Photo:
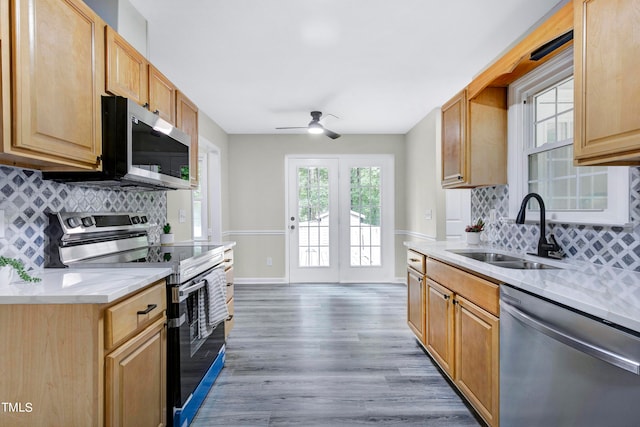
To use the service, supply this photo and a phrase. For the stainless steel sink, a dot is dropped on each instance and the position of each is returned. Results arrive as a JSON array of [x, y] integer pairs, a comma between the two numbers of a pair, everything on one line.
[[505, 261]]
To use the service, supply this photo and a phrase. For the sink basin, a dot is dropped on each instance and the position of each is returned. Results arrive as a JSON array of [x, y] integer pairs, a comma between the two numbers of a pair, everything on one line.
[[504, 261], [487, 256]]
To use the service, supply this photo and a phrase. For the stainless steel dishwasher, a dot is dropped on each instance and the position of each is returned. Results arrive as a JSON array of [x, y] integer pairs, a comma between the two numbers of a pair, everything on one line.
[[560, 367]]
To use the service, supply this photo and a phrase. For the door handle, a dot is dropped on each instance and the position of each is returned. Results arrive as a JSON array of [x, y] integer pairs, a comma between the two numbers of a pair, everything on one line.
[[578, 344]]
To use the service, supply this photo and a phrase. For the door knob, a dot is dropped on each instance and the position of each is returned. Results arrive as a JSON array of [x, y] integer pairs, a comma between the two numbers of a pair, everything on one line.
[[293, 227]]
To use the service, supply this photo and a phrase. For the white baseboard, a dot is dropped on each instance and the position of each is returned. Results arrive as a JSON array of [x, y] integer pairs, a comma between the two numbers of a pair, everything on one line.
[[260, 280]]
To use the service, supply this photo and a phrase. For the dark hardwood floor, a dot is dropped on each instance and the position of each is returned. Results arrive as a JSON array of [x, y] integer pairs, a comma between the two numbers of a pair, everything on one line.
[[327, 355]]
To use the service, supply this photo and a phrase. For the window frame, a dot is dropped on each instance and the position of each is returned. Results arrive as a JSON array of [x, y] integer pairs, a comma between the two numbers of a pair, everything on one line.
[[519, 134]]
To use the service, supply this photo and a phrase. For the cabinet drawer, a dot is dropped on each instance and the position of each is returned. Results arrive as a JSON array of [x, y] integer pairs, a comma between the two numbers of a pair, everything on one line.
[[229, 273], [230, 321], [228, 257], [417, 261], [136, 312], [477, 290], [230, 287]]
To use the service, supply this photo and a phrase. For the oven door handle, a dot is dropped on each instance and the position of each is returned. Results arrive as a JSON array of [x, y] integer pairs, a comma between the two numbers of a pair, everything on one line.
[[183, 293]]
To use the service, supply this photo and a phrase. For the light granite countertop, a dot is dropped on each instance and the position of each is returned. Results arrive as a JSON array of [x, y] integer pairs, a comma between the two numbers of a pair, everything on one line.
[[80, 286], [608, 293]]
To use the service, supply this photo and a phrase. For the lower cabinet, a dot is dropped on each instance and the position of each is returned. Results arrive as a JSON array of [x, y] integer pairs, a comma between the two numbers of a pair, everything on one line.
[[228, 270], [462, 333], [89, 365], [135, 380], [416, 303], [440, 321], [477, 358]]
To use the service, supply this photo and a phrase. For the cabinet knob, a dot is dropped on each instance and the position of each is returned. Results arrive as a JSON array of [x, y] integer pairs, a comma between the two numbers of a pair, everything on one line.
[[446, 297], [459, 177], [145, 105]]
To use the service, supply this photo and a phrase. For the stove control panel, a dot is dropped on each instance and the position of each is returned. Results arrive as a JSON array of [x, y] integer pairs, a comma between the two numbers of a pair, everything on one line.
[[77, 223]]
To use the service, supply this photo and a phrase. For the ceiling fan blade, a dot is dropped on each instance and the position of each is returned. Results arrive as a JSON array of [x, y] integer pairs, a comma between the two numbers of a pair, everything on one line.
[[331, 134], [294, 127]]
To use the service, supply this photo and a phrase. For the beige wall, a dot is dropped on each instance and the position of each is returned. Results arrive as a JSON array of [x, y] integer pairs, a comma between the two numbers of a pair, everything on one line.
[[257, 187], [423, 171], [181, 199]]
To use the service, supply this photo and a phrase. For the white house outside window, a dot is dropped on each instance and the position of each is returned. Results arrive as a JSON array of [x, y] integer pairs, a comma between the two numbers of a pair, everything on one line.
[[541, 153]]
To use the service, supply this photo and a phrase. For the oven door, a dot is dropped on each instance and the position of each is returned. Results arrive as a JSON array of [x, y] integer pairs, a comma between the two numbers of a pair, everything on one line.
[[190, 356]]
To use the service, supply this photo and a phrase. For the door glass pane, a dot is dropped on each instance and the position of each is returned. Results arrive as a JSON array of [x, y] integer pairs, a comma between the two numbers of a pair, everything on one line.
[[364, 216], [313, 217]]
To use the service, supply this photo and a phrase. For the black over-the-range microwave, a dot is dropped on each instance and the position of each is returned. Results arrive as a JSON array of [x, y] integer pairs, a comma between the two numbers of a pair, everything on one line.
[[140, 150]]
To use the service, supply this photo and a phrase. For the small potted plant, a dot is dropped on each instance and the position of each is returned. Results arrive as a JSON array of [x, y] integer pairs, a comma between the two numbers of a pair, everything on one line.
[[473, 232], [10, 267], [166, 238]]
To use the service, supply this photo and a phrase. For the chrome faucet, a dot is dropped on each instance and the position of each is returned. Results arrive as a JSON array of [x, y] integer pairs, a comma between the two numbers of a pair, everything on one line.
[[545, 249]]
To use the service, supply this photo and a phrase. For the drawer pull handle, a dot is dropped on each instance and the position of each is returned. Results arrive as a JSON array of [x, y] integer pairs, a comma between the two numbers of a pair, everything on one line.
[[149, 308], [230, 318], [229, 284], [414, 259]]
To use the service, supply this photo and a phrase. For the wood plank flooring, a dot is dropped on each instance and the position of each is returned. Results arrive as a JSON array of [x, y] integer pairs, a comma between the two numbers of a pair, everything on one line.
[[327, 355]]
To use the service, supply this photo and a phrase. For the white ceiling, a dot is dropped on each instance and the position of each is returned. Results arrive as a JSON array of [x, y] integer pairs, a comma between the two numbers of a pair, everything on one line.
[[379, 65]]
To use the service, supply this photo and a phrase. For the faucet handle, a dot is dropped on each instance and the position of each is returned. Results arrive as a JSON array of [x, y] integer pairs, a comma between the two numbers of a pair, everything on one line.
[[556, 251]]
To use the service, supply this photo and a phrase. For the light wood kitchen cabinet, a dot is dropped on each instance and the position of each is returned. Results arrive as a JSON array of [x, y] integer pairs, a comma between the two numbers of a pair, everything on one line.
[[63, 364], [463, 334], [57, 79], [187, 121], [474, 139], [5, 79], [477, 358], [440, 322], [162, 95], [135, 379], [228, 270], [607, 93], [127, 69], [416, 293]]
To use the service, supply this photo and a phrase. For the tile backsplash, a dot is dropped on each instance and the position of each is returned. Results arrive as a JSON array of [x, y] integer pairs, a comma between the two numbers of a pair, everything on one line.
[[26, 198], [610, 246]]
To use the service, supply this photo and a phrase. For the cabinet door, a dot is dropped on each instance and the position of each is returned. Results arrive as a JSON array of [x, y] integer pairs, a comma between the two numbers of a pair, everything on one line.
[[135, 380], [127, 69], [5, 81], [606, 58], [477, 358], [187, 121], [58, 80], [416, 304], [162, 95], [454, 119], [440, 317]]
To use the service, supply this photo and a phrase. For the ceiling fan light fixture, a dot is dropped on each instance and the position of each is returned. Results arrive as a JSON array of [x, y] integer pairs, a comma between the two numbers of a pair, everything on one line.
[[315, 128]]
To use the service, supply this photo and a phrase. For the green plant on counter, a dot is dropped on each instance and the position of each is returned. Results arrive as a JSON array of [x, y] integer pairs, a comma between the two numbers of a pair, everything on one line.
[[19, 268], [166, 228], [475, 228]]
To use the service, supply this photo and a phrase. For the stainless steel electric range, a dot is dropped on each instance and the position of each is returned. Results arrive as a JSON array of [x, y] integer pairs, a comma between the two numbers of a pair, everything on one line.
[[120, 240]]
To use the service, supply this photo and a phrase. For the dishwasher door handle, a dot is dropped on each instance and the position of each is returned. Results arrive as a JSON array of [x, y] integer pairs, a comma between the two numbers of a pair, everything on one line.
[[584, 347]]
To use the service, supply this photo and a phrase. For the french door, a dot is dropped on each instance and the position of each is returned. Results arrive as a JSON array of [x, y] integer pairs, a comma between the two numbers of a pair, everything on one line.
[[340, 219]]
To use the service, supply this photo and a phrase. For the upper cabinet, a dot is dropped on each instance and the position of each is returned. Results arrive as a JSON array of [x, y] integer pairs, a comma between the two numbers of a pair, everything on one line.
[[474, 121], [127, 69], [474, 139], [187, 121], [130, 75], [606, 58], [5, 78], [162, 95], [57, 79]]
